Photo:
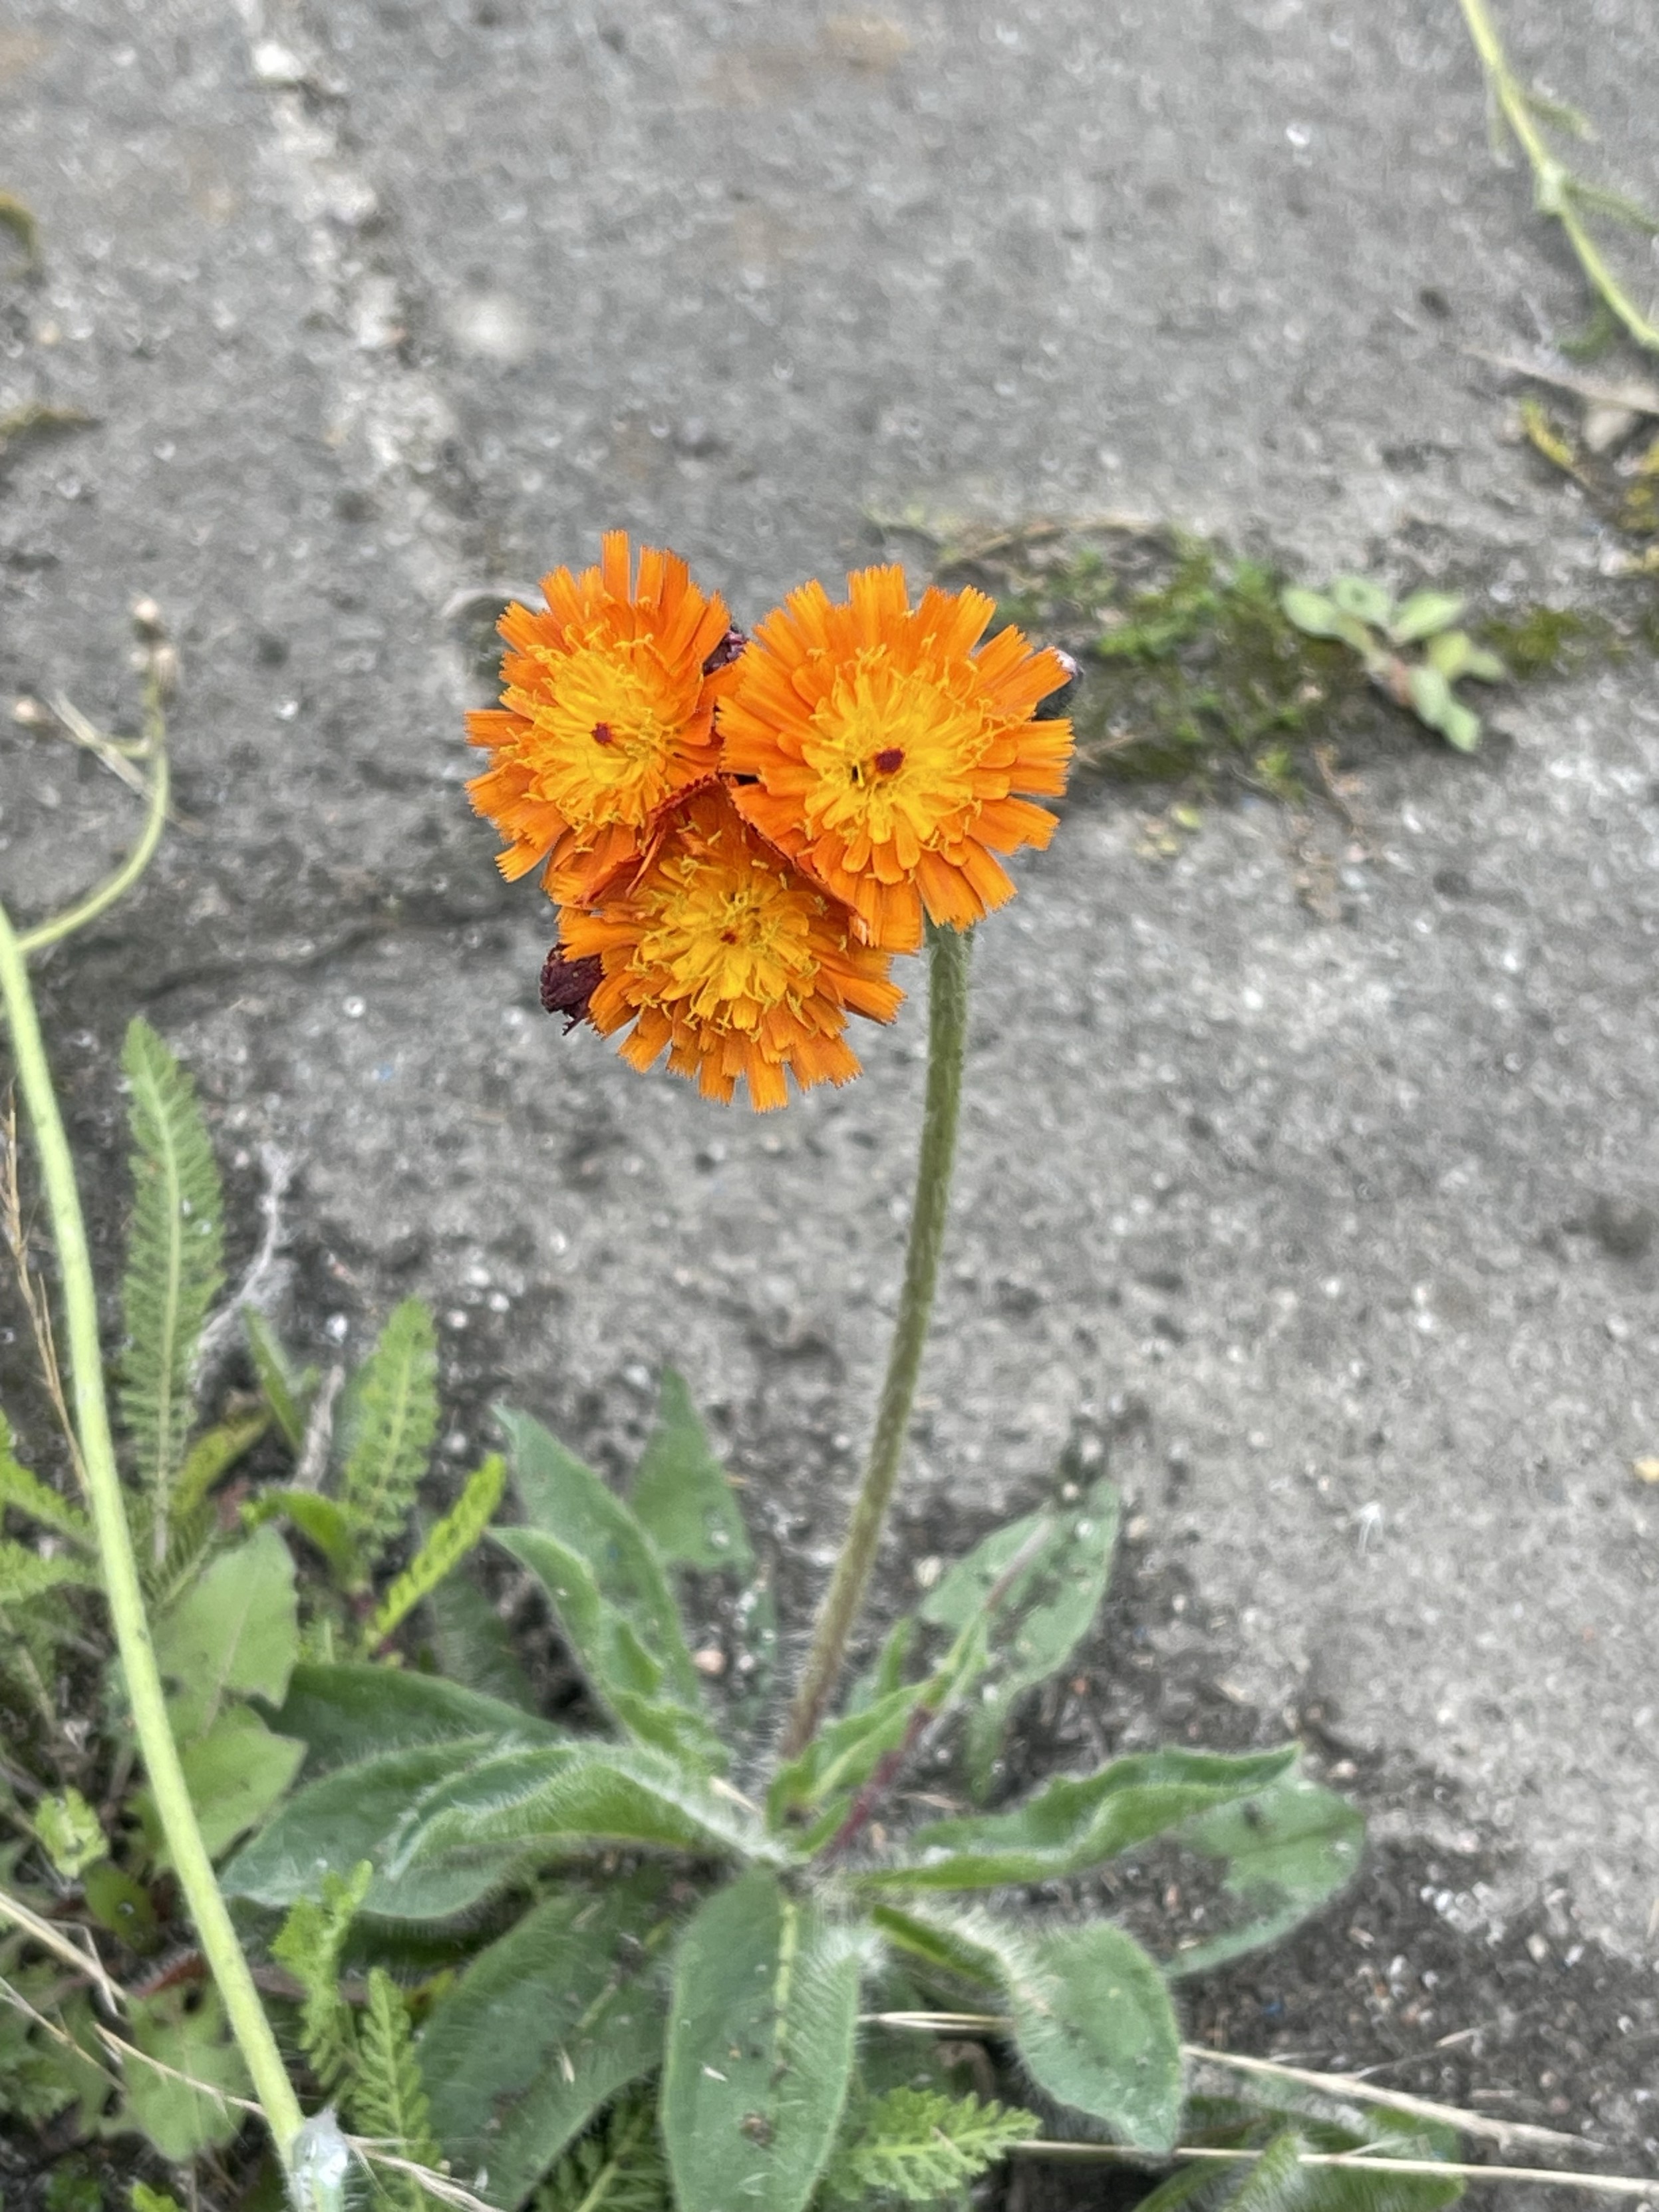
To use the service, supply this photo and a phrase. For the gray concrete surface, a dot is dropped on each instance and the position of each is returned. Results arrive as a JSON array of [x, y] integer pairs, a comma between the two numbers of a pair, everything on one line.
[[379, 302]]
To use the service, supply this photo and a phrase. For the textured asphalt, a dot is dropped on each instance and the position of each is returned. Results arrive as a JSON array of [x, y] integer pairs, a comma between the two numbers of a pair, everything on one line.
[[375, 307]]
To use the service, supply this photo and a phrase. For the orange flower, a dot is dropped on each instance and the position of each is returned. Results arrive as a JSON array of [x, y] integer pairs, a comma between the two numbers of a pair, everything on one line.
[[716, 948], [887, 750], [607, 713]]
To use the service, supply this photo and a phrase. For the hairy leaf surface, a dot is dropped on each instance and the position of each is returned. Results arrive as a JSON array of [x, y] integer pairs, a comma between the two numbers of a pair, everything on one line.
[[1285, 1851], [683, 1497]]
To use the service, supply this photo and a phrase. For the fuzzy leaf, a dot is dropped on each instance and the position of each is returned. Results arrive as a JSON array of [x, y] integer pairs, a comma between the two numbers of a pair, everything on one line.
[[186, 2030], [1280, 2120], [567, 1501], [175, 1255], [1367, 602], [30, 1496], [1044, 1616], [443, 1547], [760, 2048], [917, 2146], [390, 1420], [626, 1676], [683, 1497], [344, 1713], [564, 1800], [472, 1645], [287, 1389], [1285, 1851], [69, 1834], [357, 1812], [1093, 2022], [235, 1630], [1072, 1824], [544, 2028]]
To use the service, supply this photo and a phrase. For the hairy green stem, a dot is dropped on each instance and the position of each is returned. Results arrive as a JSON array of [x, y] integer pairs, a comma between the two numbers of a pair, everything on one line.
[[947, 1037], [1553, 183], [159, 1753]]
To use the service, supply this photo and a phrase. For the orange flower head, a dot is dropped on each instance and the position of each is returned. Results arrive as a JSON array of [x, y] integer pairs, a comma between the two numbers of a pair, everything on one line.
[[607, 711], [888, 751], [717, 948]]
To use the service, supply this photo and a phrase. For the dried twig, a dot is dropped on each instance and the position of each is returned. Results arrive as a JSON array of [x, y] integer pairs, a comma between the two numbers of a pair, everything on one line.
[[86, 1963], [1544, 2177]]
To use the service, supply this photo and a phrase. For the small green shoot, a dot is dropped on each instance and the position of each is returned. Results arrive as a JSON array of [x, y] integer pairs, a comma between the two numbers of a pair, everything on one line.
[[1384, 632]]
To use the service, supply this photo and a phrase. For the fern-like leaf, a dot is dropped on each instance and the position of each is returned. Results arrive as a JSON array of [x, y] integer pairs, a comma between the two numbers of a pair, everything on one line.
[[619, 2167], [920, 2147], [446, 1543], [37, 1500], [387, 2099], [175, 1254], [391, 1419], [25, 1574], [309, 1943]]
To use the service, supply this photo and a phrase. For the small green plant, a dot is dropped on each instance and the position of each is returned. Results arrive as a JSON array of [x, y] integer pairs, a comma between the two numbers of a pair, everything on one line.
[[1383, 633]]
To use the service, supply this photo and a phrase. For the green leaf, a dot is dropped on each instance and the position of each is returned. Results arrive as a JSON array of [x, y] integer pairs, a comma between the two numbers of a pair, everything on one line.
[[1366, 602], [626, 1676], [760, 2048], [683, 1497], [1311, 611], [567, 1501], [236, 1629], [564, 1800], [175, 1255], [344, 1713], [544, 2028], [1460, 726], [917, 2146], [1284, 1853], [390, 1420], [143, 2198], [843, 1755], [443, 1547], [321, 1521], [1044, 1616], [1280, 2120], [69, 1834], [37, 1500], [1093, 2022], [287, 1389], [186, 2031], [235, 1773], [619, 2167], [1072, 1824], [385, 2098], [1423, 614], [1430, 695], [213, 1453], [26, 1573], [122, 1905], [309, 1943], [472, 1644], [357, 1812]]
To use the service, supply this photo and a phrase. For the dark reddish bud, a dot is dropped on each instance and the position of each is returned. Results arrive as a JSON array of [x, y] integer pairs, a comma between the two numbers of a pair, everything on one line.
[[568, 984], [890, 759], [725, 652], [604, 734]]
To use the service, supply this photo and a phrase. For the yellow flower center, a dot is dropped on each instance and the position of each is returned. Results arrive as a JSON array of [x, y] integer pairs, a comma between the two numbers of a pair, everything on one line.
[[727, 936], [607, 725], [894, 753]]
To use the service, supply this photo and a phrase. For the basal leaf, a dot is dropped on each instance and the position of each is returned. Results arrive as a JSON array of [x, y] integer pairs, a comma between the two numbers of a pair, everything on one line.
[[1423, 614], [626, 1675], [186, 2031], [472, 1644], [344, 1713], [235, 1631], [175, 1254], [683, 1497], [544, 2028], [1285, 1851], [235, 1773], [321, 1521], [358, 1812], [1046, 1612], [390, 1419], [760, 2048], [1093, 2022], [568, 1501], [1072, 1824], [212, 1456], [561, 1800]]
